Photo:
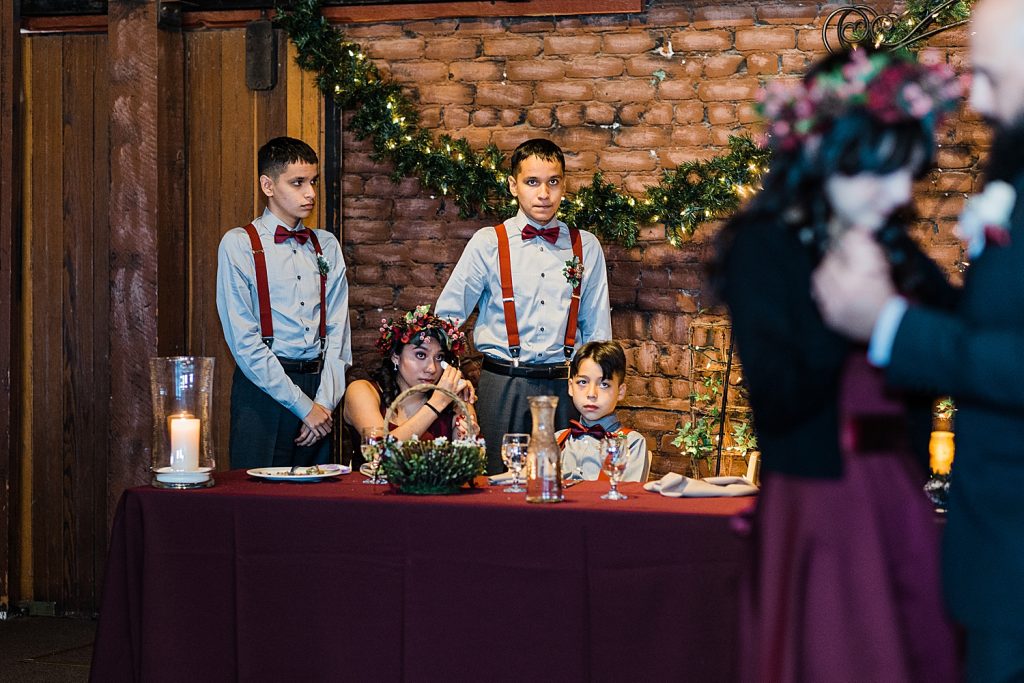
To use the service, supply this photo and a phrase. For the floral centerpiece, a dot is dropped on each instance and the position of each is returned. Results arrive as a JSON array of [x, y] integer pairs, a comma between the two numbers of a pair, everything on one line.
[[436, 466]]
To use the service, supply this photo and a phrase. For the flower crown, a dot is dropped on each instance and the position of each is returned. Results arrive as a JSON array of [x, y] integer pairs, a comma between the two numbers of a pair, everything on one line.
[[414, 326], [891, 86]]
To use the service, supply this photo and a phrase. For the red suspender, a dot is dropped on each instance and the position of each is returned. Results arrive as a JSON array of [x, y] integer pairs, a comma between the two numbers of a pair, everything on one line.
[[262, 288], [323, 292], [574, 303], [508, 300]]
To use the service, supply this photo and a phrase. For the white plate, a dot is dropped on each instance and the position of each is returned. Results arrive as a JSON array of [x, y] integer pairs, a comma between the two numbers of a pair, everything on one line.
[[283, 473]]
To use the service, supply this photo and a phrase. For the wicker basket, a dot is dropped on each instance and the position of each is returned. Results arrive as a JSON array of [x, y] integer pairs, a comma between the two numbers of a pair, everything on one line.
[[437, 466]]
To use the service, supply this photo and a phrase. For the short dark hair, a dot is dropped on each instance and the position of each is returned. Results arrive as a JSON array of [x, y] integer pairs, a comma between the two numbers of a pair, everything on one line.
[[537, 147], [276, 154], [608, 354]]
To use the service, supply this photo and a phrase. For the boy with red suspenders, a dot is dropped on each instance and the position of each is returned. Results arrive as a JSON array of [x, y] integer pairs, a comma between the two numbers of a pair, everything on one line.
[[597, 382], [541, 288], [282, 297]]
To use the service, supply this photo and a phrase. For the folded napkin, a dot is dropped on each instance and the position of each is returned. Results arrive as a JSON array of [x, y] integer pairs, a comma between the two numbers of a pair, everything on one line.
[[677, 486], [499, 479]]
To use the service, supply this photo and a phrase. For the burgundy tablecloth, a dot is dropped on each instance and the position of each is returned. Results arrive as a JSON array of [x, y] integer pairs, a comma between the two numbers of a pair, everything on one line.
[[260, 581]]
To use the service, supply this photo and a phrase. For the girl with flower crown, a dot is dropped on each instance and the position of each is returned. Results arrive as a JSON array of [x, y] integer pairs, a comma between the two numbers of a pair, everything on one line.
[[418, 348], [844, 584]]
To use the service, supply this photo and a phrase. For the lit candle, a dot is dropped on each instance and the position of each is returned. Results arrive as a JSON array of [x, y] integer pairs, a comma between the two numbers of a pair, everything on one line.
[[940, 448], [184, 443]]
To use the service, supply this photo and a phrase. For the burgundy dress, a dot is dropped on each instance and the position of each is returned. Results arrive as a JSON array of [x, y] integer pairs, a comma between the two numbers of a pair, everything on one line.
[[845, 576]]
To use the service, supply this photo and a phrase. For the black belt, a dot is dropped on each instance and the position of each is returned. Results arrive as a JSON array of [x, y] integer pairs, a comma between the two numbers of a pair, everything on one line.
[[535, 371], [303, 367]]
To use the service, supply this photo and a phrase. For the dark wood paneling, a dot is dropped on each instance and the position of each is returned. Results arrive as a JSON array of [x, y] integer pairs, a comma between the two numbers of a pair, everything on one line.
[[46, 239], [10, 305], [86, 307], [206, 188], [135, 53]]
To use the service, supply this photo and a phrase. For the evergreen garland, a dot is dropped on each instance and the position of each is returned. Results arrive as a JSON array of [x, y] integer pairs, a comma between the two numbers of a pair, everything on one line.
[[692, 194]]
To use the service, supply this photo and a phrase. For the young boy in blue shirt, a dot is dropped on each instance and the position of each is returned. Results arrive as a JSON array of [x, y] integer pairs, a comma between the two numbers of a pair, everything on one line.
[[597, 382], [282, 297]]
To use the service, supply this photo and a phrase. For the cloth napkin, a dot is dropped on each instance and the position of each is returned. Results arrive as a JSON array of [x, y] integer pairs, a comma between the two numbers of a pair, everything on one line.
[[676, 485], [500, 479]]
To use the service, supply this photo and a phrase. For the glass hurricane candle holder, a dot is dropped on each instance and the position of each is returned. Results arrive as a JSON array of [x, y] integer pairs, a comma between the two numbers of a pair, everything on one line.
[[182, 390]]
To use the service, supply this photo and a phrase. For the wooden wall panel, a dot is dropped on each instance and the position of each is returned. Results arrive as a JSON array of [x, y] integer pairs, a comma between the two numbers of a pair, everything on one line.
[[45, 223], [67, 354], [207, 189], [85, 345], [11, 377]]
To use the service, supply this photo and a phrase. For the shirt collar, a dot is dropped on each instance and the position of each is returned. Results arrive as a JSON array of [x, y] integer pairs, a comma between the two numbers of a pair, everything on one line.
[[520, 221], [270, 222], [610, 422]]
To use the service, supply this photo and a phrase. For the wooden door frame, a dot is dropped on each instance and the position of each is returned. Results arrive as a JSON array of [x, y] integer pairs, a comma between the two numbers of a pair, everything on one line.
[[10, 301]]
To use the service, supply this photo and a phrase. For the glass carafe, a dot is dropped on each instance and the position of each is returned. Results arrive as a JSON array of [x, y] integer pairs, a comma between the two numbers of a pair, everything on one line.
[[543, 459]]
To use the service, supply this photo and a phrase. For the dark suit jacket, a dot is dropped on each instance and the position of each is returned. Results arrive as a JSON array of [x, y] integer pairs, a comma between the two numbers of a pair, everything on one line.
[[976, 354], [792, 363]]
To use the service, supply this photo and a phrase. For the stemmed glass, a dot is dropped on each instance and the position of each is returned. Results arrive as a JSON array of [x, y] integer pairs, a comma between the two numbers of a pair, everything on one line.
[[513, 453], [371, 448], [616, 455]]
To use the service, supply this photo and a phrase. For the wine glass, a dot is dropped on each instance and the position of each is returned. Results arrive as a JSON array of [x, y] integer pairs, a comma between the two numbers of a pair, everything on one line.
[[372, 441], [513, 453], [616, 455]]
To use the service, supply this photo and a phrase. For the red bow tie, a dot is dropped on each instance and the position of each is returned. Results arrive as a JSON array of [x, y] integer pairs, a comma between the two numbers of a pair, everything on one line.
[[283, 233], [549, 234], [577, 430]]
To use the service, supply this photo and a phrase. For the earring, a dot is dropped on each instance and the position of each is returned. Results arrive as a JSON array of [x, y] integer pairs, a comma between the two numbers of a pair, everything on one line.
[[396, 366]]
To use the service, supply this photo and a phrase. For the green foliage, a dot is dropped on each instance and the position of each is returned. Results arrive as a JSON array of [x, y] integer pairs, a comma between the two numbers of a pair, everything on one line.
[[922, 18], [436, 466], [695, 193], [743, 437]]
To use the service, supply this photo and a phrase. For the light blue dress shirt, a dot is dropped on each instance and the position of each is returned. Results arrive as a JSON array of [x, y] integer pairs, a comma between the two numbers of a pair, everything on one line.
[[294, 280], [582, 457], [542, 293]]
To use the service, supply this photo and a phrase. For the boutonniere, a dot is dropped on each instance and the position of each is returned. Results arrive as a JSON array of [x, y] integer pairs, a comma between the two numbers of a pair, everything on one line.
[[985, 219], [323, 265], [573, 271]]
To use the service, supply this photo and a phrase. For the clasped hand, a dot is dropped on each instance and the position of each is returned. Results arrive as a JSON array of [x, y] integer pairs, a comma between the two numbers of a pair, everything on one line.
[[316, 425]]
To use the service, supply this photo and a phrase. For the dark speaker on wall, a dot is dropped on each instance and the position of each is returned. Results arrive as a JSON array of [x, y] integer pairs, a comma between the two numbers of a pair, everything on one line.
[[260, 55]]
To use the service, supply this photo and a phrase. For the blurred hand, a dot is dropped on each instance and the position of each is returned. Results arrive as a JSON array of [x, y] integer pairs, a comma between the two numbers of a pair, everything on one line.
[[852, 285]]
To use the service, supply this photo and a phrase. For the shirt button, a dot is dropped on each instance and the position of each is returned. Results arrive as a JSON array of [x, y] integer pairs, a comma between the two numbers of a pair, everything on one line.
[[294, 251], [542, 274], [302, 303], [542, 302], [542, 329], [299, 276], [307, 329]]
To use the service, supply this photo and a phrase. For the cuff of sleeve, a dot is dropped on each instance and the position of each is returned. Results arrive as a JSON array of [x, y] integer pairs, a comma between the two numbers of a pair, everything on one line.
[[302, 407], [884, 334]]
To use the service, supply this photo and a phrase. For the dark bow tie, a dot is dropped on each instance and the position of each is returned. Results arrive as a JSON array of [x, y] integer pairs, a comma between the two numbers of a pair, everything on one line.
[[577, 430], [549, 234], [284, 234]]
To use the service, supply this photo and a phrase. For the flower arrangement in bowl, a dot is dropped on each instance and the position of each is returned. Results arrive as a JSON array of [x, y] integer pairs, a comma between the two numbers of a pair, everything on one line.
[[436, 466]]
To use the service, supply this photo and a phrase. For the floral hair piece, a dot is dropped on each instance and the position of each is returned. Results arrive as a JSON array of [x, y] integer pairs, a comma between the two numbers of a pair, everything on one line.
[[890, 86], [414, 327]]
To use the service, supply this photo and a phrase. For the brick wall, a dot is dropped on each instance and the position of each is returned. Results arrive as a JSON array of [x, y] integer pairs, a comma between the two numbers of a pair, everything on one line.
[[589, 84]]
